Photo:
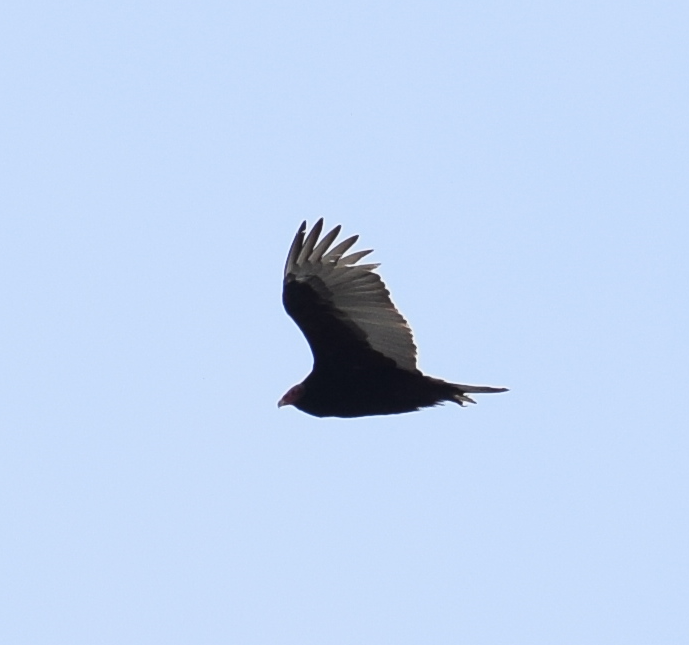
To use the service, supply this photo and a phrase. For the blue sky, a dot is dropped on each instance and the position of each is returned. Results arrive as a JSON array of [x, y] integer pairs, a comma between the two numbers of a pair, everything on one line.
[[520, 170]]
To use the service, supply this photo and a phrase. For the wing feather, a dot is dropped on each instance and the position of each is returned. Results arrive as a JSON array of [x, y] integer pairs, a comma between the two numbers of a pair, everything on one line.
[[354, 257], [343, 308], [336, 253], [295, 249], [310, 242], [324, 244]]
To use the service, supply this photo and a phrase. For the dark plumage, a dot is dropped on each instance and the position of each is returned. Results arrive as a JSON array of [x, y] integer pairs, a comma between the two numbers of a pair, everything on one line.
[[364, 357]]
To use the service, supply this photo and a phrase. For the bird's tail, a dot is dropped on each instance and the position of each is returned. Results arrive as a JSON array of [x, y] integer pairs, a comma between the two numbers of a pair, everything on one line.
[[460, 392]]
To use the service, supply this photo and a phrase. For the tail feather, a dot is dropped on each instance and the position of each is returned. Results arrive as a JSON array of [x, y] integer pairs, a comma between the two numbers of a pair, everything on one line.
[[460, 392]]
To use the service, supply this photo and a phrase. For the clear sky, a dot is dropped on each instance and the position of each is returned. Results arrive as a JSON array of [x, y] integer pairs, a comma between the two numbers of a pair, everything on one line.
[[521, 170]]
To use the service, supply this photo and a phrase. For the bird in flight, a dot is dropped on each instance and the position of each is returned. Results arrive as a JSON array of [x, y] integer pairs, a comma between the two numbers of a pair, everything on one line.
[[364, 357]]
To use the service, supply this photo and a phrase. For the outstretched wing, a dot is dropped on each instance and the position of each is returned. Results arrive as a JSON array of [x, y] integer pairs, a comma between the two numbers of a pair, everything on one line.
[[342, 307]]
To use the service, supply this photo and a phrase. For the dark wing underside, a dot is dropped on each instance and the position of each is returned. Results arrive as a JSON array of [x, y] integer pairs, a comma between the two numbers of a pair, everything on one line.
[[335, 342], [343, 308]]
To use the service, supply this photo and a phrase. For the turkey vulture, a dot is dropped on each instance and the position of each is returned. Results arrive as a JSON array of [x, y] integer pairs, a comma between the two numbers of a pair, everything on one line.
[[364, 357]]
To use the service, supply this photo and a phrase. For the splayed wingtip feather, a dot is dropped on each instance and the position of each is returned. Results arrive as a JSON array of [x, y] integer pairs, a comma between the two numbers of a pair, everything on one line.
[[310, 242], [295, 249], [323, 245]]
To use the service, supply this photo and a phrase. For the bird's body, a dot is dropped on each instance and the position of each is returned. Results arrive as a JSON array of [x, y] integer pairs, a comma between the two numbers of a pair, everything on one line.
[[364, 354], [371, 391]]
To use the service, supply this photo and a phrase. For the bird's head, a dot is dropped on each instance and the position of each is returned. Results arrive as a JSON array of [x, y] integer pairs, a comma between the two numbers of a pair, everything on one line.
[[292, 395]]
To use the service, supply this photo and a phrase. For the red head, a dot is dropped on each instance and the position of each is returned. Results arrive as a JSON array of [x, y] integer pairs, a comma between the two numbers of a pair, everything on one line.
[[292, 395]]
